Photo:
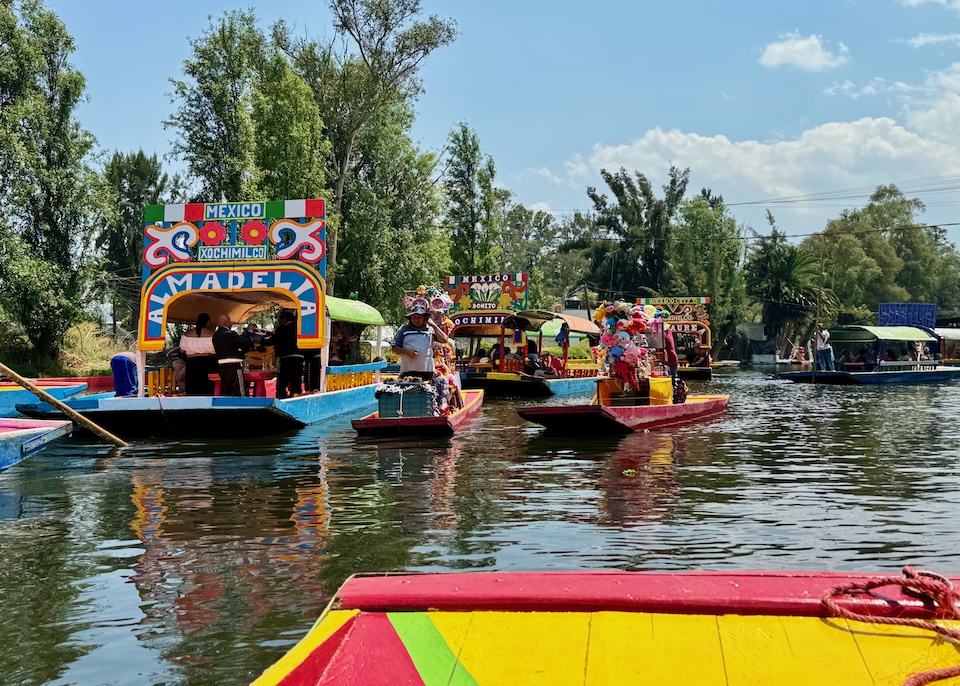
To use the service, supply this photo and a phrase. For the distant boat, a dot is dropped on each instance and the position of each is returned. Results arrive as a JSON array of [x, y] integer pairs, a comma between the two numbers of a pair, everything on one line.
[[876, 343], [20, 438], [444, 425]]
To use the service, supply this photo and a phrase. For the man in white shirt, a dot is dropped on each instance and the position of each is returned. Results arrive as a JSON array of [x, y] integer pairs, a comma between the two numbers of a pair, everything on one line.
[[824, 349], [414, 343]]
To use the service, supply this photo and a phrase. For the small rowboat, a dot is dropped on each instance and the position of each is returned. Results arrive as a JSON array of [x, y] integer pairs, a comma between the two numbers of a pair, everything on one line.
[[597, 420], [373, 425], [20, 438], [703, 628]]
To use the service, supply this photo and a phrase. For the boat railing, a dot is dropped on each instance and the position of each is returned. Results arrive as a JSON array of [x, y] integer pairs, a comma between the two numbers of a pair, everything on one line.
[[346, 376], [907, 365], [579, 369]]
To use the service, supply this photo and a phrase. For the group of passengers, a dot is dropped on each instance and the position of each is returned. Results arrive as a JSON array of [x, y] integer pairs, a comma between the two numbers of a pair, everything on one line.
[[544, 365]]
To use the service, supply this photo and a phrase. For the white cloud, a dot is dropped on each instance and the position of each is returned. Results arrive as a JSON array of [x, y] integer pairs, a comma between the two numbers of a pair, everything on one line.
[[949, 4], [925, 39], [807, 53]]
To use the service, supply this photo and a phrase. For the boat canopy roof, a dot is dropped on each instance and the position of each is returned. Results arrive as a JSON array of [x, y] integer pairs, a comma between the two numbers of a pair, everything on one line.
[[343, 310], [948, 334], [869, 334], [533, 320]]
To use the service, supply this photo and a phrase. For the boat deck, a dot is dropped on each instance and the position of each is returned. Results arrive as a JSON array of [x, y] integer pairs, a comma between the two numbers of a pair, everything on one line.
[[604, 628]]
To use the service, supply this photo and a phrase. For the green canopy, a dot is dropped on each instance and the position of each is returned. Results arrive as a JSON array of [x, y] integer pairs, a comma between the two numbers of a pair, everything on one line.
[[343, 310], [868, 334]]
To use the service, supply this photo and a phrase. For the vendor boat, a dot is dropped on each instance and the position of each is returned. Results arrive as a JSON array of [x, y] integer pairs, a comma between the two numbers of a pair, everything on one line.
[[13, 394], [616, 413], [235, 259], [877, 344], [20, 438], [704, 628], [490, 310], [443, 425]]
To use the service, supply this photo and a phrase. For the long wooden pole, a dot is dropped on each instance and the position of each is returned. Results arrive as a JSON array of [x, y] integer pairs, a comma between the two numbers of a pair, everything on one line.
[[66, 409]]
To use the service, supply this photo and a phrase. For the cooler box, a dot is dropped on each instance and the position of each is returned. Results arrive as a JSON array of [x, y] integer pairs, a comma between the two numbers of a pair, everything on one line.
[[412, 399]]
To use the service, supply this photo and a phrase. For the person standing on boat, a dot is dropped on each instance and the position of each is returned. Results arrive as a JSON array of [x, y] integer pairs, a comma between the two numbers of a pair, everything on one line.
[[290, 368], [824, 349], [414, 343], [231, 348], [197, 345], [670, 348]]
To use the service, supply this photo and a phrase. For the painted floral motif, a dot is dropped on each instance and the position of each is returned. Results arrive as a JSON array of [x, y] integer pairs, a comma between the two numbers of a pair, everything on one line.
[[292, 238], [254, 232], [213, 233], [174, 242]]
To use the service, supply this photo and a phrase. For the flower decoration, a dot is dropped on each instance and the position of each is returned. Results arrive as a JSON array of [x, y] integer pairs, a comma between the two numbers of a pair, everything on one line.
[[213, 233], [254, 232], [407, 302], [421, 291]]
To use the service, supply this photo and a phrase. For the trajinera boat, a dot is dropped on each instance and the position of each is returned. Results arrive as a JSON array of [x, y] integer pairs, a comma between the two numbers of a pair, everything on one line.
[[419, 424], [613, 412], [489, 314], [20, 438], [880, 355], [13, 394], [236, 259], [612, 627]]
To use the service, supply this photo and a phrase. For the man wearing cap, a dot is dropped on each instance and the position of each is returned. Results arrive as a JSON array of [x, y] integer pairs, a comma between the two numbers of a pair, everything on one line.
[[414, 343]]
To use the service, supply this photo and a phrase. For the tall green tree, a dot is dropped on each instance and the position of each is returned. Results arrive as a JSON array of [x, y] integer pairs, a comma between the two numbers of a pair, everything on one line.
[[786, 281], [708, 253], [213, 122], [290, 144], [474, 205], [638, 226], [526, 240], [54, 200], [136, 180], [372, 64], [394, 205]]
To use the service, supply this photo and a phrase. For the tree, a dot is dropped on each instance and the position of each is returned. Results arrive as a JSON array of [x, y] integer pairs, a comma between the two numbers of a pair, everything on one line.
[[785, 280], [290, 143], [525, 241], [54, 200], [214, 120], [639, 226], [474, 206], [708, 252], [351, 89], [136, 181]]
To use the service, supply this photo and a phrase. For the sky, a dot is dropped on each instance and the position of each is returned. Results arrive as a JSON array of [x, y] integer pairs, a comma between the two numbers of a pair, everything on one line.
[[802, 108]]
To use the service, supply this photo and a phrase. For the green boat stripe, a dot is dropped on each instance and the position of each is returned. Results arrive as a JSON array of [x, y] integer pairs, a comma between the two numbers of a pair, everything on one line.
[[428, 649]]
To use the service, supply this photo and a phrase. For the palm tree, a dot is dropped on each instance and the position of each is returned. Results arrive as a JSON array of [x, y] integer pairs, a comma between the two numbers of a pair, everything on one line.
[[787, 282]]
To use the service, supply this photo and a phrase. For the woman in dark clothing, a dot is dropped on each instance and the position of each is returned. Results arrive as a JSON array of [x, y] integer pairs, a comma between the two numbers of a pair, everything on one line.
[[290, 369], [197, 345]]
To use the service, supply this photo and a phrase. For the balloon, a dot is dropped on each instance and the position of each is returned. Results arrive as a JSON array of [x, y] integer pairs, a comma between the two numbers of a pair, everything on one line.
[[664, 314], [649, 310]]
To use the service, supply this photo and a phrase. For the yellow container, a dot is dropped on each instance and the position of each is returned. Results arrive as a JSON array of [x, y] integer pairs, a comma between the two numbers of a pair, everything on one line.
[[661, 390]]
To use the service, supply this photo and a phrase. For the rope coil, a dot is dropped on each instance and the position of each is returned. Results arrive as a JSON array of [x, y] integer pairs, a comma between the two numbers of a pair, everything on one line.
[[932, 588]]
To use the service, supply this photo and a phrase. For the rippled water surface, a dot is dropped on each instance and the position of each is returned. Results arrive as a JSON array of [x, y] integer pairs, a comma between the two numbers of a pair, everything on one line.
[[203, 562]]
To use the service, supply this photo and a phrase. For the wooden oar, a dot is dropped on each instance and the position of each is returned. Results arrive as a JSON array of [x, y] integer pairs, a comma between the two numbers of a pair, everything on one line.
[[66, 409]]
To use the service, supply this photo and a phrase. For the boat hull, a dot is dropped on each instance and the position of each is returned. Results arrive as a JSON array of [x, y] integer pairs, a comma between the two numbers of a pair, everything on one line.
[[210, 417], [20, 438], [705, 628], [937, 375], [593, 420], [695, 373], [507, 385], [373, 425], [13, 394]]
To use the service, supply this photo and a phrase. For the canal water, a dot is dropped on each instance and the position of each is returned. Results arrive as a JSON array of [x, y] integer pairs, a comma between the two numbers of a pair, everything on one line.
[[203, 562]]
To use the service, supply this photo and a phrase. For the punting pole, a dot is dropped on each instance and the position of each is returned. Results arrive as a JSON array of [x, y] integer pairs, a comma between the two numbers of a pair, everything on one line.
[[66, 409]]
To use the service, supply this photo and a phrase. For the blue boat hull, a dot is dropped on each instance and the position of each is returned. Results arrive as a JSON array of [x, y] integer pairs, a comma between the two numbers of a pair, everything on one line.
[[20, 438], [210, 417], [936, 375], [10, 397]]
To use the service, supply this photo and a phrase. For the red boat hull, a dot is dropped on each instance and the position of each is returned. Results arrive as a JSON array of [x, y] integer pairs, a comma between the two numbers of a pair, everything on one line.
[[606, 419], [373, 425]]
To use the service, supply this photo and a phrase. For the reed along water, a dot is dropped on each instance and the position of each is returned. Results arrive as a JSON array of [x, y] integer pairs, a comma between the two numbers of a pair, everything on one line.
[[202, 562]]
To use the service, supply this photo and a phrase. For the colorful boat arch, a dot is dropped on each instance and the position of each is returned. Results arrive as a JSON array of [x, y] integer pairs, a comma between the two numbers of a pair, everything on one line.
[[233, 259], [688, 315]]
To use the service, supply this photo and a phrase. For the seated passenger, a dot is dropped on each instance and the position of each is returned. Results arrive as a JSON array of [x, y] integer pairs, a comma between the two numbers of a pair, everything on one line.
[[480, 357], [697, 359], [552, 366], [861, 357]]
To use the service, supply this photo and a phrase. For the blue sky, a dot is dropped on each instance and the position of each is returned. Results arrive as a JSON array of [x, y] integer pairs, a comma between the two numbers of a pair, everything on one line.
[[762, 100]]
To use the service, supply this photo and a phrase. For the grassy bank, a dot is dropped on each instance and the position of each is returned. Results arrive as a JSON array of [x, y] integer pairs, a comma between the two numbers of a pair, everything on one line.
[[87, 352]]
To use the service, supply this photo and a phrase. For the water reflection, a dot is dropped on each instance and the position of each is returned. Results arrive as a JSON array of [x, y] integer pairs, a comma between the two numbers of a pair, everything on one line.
[[202, 562]]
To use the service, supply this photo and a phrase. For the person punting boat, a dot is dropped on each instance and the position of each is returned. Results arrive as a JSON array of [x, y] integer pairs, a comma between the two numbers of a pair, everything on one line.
[[414, 342]]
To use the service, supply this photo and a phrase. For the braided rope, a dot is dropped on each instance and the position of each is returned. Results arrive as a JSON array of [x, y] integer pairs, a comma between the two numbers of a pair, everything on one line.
[[926, 585]]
